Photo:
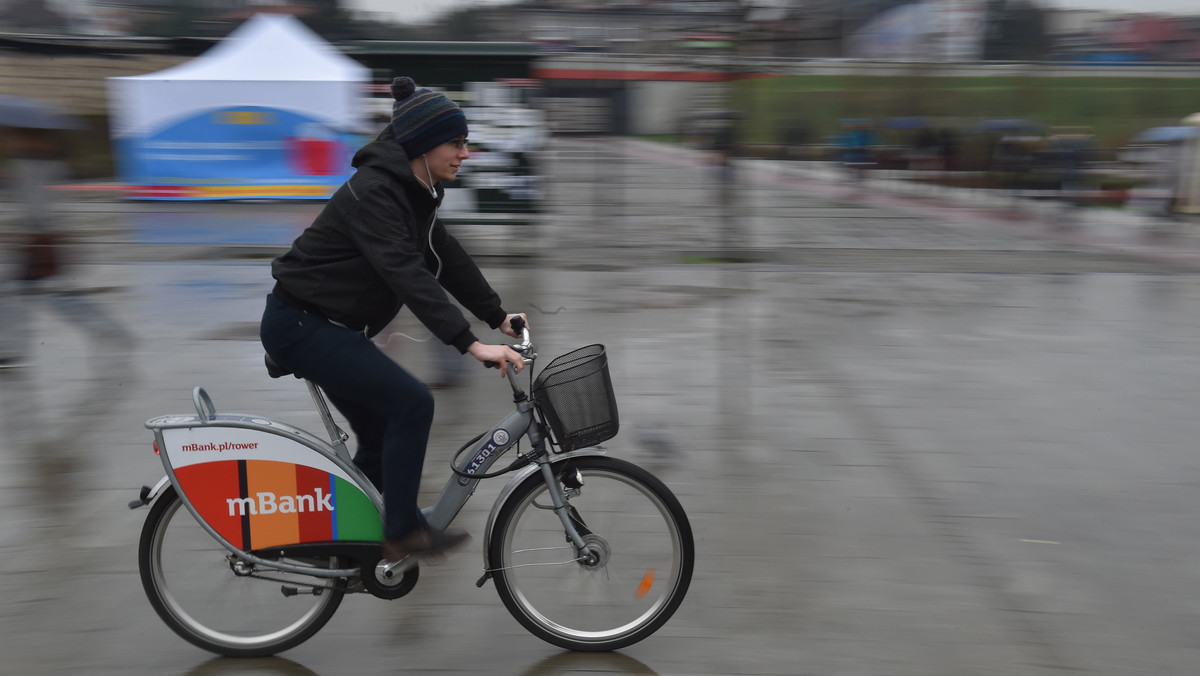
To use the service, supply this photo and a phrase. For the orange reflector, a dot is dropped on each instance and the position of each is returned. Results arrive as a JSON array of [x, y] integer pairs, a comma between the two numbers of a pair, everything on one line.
[[647, 582], [155, 448]]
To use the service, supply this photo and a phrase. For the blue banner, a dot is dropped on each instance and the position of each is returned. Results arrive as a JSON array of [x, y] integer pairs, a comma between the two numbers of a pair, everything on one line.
[[238, 153]]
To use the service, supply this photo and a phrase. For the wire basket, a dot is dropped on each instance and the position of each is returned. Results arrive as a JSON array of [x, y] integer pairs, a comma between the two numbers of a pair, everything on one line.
[[575, 395]]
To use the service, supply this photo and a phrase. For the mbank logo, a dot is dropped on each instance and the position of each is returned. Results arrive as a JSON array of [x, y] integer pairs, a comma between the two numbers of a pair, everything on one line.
[[269, 503]]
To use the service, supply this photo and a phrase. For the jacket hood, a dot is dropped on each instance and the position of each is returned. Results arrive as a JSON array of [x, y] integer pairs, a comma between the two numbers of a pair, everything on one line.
[[385, 153]]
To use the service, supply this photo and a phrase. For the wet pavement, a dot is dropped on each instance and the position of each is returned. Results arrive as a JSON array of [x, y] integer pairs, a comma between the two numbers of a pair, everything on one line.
[[917, 432]]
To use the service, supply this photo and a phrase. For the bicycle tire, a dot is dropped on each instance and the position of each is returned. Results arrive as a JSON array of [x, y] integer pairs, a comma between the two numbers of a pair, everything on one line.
[[178, 559], [637, 525]]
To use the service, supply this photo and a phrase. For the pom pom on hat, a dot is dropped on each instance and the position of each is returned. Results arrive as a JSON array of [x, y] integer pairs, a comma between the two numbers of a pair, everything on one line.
[[403, 87], [423, 119]]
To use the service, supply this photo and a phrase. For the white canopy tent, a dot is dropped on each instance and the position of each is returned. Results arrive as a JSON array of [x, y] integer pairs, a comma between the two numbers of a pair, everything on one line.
[[209, 117]]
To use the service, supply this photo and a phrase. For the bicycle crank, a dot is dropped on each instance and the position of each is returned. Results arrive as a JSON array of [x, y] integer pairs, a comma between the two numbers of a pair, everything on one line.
[[389, 582]]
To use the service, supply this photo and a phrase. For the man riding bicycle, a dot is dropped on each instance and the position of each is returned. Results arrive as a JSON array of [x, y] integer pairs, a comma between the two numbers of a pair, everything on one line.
[[377, 246]]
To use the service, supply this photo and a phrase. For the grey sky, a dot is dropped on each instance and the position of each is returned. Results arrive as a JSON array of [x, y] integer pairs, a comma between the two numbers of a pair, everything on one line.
[[413, 11], [1162, 6]]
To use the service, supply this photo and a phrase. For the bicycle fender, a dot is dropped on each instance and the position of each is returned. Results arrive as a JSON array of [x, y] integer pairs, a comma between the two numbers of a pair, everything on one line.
[[521, 475]]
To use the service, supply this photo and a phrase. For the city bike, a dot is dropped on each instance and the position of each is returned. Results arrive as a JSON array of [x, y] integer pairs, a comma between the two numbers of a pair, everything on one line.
[[259, 528]]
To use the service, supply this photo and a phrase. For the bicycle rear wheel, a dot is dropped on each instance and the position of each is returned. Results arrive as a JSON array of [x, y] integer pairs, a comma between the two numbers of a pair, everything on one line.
[[630, 580], [203, 593]]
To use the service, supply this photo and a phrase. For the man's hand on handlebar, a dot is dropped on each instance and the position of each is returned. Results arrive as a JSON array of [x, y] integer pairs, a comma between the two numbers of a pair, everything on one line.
[[496, 356], [506, 325]]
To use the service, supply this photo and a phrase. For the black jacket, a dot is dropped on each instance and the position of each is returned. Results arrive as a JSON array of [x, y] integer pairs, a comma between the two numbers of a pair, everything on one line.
[[370, 252]]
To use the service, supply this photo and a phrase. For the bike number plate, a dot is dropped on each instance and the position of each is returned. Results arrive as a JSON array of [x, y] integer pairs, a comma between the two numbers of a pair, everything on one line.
[[259, 490]]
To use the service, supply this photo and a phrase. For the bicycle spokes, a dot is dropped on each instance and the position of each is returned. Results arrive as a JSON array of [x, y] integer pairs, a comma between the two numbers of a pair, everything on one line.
[[630, 575]]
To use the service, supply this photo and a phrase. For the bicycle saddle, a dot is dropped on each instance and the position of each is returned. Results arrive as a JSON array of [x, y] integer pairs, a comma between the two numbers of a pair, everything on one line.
[[273, 369]]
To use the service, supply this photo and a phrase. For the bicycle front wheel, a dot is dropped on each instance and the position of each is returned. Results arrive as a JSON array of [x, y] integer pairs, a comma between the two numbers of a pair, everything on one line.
[[629, 580], [210, 598]]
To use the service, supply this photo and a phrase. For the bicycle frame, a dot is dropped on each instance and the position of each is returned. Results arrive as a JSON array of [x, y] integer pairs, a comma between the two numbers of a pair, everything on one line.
[[247, 438]]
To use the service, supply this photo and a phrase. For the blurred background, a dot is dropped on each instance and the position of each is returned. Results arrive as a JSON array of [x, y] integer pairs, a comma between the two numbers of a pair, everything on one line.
[[985, 93], [993, 93], [899, 296]]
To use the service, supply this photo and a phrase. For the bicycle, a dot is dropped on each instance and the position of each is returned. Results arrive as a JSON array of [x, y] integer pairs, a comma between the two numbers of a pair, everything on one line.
[[259, 528]]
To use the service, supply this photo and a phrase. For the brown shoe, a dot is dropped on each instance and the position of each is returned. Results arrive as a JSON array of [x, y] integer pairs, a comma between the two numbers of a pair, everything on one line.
[[423, 543]]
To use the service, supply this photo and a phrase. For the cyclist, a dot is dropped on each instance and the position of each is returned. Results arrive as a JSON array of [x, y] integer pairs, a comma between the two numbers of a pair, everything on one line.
[[377, 246]]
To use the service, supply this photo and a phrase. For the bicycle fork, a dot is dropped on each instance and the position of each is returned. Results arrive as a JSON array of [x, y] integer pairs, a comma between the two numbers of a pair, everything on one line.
[[571, 521], [575, 530]]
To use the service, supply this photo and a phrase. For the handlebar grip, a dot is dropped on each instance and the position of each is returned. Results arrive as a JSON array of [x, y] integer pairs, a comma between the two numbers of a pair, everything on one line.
[[517, 324], [490, 364]]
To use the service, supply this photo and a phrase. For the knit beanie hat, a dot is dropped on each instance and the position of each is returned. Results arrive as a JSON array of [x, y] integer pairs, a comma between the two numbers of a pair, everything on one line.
[[423, 119]]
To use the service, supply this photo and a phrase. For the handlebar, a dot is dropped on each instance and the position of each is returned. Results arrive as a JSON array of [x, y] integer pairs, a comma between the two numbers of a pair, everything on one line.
[[525, 347]]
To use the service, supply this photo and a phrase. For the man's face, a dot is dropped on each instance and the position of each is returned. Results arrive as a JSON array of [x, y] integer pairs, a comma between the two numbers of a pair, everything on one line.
[[446, 159]]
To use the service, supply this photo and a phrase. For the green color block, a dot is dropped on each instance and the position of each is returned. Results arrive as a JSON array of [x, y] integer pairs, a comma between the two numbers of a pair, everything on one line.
[[357, 518]]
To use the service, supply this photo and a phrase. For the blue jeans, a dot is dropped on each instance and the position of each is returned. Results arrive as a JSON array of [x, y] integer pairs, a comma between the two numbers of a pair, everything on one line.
[[389, 411]]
